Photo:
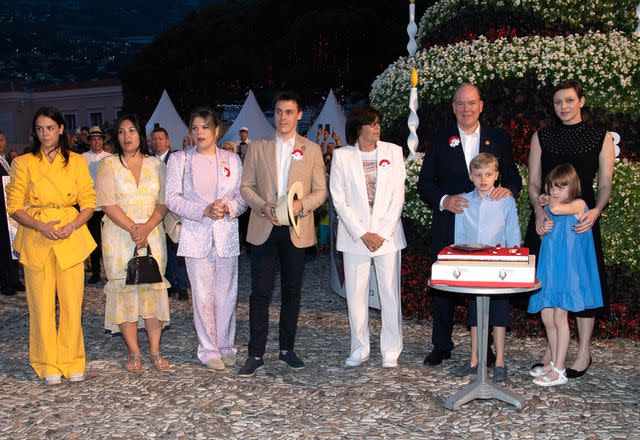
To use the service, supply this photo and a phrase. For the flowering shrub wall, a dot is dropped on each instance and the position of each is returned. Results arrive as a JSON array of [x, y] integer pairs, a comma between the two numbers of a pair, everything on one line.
[[607, 65]]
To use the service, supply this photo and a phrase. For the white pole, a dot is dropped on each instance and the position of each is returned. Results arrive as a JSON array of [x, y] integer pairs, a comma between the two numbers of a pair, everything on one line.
[[638, 14], [413, 121], [412, 29]]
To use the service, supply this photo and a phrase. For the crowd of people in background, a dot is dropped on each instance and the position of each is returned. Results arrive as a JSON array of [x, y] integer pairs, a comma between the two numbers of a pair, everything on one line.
[[88, 198]]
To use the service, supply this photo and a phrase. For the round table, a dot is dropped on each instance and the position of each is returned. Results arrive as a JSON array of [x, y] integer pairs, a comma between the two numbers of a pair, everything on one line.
[[481, 388]]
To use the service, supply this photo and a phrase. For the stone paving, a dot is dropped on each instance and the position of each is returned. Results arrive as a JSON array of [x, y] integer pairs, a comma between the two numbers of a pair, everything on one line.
[[325, 400]]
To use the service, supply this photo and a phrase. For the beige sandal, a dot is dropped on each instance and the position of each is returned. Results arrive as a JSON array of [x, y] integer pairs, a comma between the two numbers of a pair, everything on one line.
[[159, 362], [134, 364]]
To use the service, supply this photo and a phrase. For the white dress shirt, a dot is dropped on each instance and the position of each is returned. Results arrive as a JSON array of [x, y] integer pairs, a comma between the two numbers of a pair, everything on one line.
[[4, 163], [93, 160], [470, 144], [284, 150]]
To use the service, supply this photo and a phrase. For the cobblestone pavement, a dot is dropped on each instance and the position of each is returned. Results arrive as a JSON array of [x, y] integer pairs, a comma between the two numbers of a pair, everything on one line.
[[325, 400]]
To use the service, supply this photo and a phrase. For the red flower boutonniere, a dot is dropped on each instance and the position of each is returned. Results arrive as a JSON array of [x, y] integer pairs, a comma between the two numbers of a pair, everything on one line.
[[384, 163], [454, 141], [225, 171], [297, 153]]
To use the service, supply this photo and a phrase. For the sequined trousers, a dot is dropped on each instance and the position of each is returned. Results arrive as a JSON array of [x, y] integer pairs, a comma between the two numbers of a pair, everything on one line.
[[214, 291]]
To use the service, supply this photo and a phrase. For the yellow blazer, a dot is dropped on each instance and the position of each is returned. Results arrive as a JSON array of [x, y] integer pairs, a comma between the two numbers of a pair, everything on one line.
[[48, 192]]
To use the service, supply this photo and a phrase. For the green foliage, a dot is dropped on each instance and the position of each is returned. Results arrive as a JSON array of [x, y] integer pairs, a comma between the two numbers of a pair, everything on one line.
[[606, 15], [217, 55]]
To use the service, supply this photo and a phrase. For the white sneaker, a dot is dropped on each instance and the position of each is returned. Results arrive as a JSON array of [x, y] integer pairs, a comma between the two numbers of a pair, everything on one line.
[[53, 379], [389, 363], [215, 364], [355, 361]]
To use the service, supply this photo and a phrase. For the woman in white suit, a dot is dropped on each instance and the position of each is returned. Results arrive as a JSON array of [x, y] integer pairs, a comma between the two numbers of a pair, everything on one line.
[[203, 188], [367, 188]]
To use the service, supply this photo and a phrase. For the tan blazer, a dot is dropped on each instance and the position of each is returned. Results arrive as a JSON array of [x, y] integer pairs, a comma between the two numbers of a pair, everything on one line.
[[260, 185]]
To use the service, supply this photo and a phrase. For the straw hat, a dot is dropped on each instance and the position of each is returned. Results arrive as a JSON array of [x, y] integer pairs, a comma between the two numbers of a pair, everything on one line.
[[284, 210]]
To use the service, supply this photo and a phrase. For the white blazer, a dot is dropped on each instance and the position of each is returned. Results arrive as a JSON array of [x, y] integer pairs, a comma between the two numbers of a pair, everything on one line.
[[349, 195]]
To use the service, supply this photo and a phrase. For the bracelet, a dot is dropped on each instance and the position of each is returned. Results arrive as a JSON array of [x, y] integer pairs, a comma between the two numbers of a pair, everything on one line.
[[74, 227]]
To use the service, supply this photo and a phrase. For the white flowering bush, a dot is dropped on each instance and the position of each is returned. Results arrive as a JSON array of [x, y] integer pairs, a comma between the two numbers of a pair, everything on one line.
[[620, 222], [607, 15], [606, 64], [414, 208]]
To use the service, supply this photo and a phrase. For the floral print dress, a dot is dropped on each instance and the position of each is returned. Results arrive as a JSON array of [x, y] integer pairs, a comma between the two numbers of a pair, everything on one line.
[[116, 185]]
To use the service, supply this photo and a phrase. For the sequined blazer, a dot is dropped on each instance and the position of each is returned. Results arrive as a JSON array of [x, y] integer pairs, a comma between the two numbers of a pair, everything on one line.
[[200, 233]]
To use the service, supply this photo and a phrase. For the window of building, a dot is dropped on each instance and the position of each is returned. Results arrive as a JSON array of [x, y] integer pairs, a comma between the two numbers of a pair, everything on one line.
[[70, 122], [95, 118]]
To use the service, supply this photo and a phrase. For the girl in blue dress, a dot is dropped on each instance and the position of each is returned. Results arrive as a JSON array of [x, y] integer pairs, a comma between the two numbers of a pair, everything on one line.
[[567, 269]]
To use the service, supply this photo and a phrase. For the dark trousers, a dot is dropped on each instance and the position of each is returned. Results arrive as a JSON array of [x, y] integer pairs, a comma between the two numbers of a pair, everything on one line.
[[176, 267], [95, 228], [443, 309], [9, 272], [263, 265]]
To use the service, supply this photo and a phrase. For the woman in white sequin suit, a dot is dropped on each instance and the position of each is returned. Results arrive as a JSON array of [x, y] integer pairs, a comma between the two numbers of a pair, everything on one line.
[[203, 188]]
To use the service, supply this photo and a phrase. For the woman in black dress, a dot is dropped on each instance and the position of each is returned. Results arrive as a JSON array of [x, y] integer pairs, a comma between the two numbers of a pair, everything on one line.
[[590, 150]]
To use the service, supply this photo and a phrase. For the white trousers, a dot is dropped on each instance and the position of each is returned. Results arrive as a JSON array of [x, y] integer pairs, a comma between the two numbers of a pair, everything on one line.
[[214, 291], [357, 270]]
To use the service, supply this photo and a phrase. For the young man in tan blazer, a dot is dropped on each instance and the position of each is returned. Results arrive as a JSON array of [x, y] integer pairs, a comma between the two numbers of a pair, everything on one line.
[[270, 168]]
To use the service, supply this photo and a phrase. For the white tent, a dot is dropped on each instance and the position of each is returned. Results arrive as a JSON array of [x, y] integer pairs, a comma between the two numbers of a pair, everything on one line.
[[330, 114], [168, 118], [250, 116]]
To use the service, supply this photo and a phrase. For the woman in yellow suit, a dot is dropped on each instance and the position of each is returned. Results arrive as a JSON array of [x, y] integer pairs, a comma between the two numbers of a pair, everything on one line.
[[53, 243]]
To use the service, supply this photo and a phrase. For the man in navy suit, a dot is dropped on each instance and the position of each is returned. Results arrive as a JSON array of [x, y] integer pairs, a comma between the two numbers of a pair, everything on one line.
[[444, 178]]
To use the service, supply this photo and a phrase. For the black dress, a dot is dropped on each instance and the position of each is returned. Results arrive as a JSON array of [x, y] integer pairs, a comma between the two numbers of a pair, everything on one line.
[[580, 146]]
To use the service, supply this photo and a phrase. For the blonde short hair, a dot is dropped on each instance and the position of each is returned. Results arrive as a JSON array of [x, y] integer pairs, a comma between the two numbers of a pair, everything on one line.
[[483, 160]]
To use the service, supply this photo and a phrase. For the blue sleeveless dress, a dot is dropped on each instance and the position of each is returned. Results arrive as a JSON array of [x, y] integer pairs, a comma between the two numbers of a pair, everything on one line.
[[567, 269]]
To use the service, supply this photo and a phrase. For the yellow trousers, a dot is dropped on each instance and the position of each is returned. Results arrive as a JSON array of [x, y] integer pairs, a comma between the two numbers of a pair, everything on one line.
[[51, 350]]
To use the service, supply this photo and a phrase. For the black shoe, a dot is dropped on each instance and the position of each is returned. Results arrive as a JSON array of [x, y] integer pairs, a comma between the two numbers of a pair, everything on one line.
[[172, 291], [292, 360], [251, 365], [574, 374], [19, 287], [435, 357], [183, 295], [8, 292], [491, 358], [93, 279]]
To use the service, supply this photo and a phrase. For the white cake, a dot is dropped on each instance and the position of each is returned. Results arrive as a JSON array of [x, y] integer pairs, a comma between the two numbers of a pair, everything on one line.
[[494, 267]]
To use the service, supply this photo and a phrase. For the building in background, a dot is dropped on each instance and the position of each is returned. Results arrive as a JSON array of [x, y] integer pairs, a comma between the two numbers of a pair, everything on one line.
[[81, 104]]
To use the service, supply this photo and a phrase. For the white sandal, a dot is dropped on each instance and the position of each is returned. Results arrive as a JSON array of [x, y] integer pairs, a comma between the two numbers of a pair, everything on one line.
[[540, 371], [546, 381]]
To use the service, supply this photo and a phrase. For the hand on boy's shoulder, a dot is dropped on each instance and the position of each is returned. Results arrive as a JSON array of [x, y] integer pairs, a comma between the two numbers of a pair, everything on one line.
[[500, 192], [455, 203]]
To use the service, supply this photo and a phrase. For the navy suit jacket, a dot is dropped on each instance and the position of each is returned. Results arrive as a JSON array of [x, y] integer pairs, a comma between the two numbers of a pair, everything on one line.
[[444, 172]]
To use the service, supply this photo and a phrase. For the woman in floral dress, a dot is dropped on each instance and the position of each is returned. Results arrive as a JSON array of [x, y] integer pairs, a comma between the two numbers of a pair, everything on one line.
[[130, 189]]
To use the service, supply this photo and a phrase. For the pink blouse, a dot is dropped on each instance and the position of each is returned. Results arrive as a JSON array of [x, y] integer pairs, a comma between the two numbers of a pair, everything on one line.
[[205, 176]]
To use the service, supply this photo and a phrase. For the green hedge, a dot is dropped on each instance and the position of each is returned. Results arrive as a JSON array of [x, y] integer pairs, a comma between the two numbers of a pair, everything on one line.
[[606, 15]]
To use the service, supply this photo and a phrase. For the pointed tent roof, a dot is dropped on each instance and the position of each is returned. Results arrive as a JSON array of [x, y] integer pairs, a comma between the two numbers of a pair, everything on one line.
[[250, 116], [330, 114], [167, 116]]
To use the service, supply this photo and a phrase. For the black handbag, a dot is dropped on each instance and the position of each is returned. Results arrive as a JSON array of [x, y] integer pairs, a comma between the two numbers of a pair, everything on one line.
[[143, 269]]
